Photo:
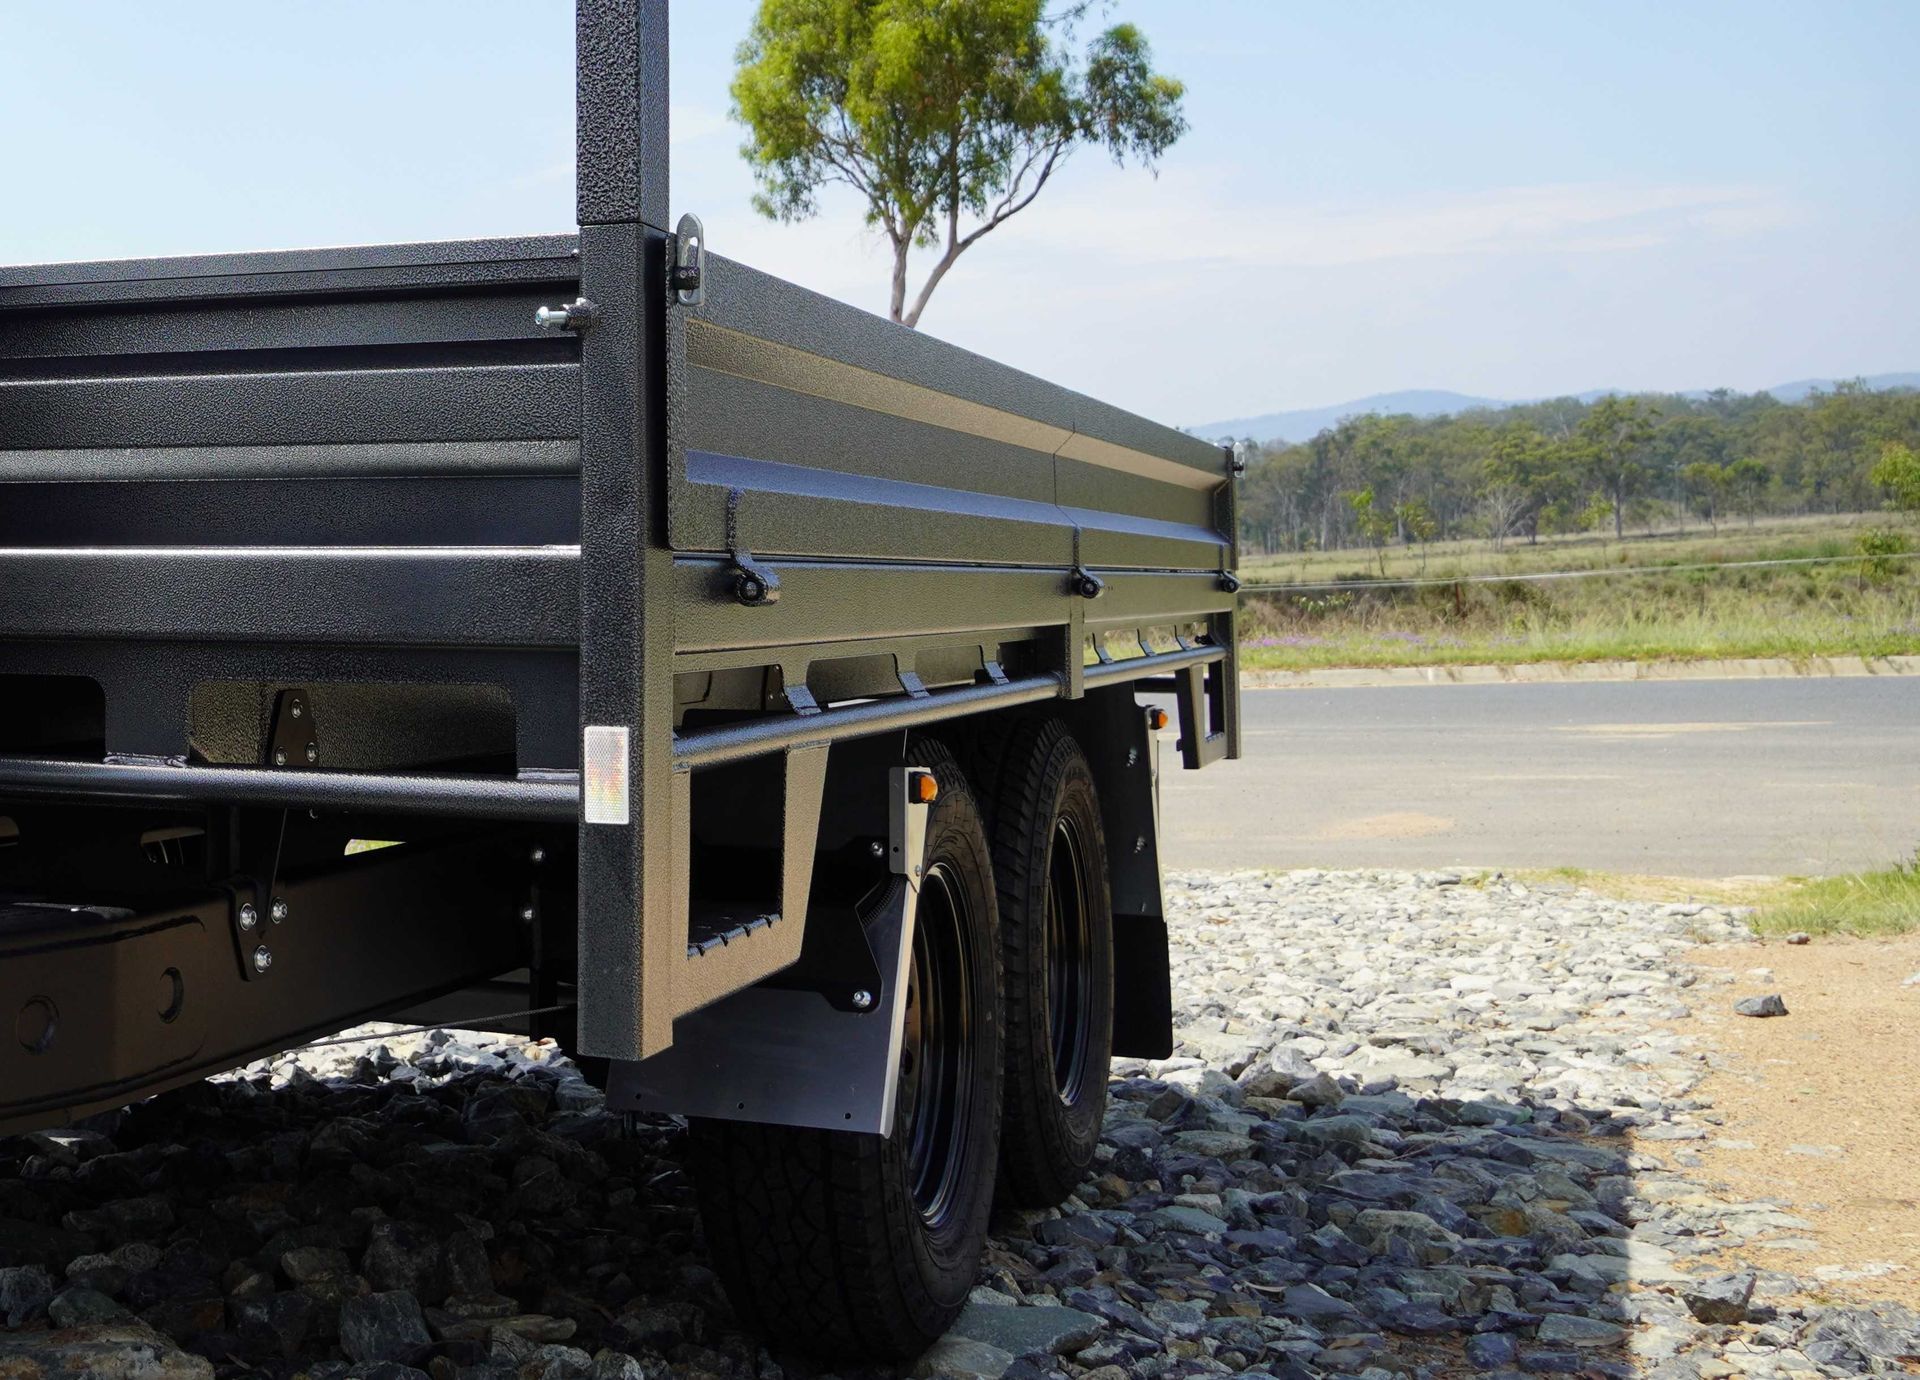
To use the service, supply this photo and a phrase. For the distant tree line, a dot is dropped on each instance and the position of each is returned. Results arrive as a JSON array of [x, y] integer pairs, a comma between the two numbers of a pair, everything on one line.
[[1536, 469]]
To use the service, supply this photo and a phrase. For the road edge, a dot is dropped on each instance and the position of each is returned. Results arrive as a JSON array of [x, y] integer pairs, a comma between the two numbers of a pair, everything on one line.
[[1564, 672]]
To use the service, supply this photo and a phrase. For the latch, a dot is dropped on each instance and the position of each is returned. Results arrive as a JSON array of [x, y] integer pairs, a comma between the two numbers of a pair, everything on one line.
[[576, 315], [687, 266], [1085, 583], [754, 584]]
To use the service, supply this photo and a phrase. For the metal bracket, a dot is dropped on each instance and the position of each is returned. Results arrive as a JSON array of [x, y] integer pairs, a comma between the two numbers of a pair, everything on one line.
[[250, 923], [295, 737], [995, 673], [1229, 582], [687, 269], [752, 583], [915, 687], [1085, 583]]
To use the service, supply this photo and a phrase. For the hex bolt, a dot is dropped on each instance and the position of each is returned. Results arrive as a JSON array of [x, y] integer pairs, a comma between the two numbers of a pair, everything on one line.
[[262, 959], [279, 757], [1140, 844], [877, 848], [862, 1000], [1133, 756], [278, 911], [538, 856], [528, 914], [249, 917], [295, 709], [313, 752]]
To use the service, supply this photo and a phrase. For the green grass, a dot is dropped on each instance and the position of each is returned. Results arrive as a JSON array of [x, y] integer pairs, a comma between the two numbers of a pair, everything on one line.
[[1801, 612], [1865, 903], [1880, 903]]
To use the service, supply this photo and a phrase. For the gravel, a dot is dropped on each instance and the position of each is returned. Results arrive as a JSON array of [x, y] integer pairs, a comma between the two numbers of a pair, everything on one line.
[[1416, 1124]]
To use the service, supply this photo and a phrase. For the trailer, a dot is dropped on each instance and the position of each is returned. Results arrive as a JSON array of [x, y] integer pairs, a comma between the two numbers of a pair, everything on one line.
[[594, 637]]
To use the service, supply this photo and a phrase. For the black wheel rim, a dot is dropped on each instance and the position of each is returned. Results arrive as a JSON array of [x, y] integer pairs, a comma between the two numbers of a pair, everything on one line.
[[1069, 961], [936, 1051]]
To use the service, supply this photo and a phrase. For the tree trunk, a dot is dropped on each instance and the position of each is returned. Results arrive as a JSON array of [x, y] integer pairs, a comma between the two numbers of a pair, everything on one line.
[[899, 303]]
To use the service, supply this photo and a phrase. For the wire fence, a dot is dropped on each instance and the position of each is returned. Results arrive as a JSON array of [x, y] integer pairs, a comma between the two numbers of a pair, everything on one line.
[[1447, 581]]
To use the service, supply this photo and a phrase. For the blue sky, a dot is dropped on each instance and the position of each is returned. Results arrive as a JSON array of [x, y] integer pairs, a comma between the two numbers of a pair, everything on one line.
[[1504, 199]]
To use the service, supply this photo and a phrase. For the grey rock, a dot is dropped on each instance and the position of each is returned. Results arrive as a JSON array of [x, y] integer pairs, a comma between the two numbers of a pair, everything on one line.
[[77, 1306], [1719, 1298], [1769, 1005], [1799, 937], [1311, 1303], [1189, 1219], [383, 1327], [101, 1351], [1571, 1329], [962, 1356], [1024, 1331], [1318, 1091], [1489, 1351], [24, 1293]]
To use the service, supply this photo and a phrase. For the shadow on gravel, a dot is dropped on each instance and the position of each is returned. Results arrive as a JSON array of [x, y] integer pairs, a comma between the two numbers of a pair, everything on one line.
[[468, 1211], [1416, 1128]]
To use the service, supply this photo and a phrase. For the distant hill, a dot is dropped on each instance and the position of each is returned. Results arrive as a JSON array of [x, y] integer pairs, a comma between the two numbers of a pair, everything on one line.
[[1306, 423]]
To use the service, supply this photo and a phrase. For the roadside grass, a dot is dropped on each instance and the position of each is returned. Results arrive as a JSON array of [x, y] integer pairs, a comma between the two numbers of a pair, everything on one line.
[[1801, 613], [1865, 904], [1886, 902]]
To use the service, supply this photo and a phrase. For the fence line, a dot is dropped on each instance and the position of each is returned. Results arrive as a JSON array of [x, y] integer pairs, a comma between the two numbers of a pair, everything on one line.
[[1442, 581]]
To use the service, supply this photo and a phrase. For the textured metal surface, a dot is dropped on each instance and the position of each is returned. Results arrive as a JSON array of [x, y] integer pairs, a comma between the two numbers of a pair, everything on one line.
[[338, 956], [534, 796], [398, 478], [784, 1056], [621, 122]]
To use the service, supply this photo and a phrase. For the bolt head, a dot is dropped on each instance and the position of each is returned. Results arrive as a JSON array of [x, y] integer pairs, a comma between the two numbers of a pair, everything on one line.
[[538, 856], [295, 709], [279, 757], [249, 917], [313, 752], [1140, 844], [262, 959], [528, 914], [877, 848], [278, 911], [862, 1000]]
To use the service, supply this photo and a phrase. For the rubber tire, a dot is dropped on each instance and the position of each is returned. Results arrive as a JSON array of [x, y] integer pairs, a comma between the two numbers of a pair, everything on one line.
[[814, 1233], [1047, 1143]]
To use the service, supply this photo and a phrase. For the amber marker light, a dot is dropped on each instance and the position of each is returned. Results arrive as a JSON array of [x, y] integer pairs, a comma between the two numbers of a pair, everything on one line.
[[924, 789], [1157, 719]]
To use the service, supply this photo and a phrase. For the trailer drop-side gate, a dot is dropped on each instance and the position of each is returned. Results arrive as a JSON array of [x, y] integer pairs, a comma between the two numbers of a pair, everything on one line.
[[594, 628]]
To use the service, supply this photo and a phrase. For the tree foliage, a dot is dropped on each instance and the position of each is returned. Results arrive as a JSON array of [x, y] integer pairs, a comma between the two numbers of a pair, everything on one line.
[[1565, 465], [947, 116]]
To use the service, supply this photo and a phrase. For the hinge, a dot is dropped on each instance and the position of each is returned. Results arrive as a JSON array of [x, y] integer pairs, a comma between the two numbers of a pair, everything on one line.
[[687, 265]]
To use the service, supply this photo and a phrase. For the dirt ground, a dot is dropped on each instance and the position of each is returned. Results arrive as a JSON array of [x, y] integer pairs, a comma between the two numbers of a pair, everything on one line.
[[1822, 1106]]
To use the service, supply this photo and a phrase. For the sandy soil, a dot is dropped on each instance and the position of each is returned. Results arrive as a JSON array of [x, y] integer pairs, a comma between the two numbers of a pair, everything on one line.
[[1828, 1099]]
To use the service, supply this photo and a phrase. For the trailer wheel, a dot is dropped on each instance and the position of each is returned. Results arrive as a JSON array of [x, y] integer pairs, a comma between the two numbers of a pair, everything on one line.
[[861, 1247], [1056, 924]]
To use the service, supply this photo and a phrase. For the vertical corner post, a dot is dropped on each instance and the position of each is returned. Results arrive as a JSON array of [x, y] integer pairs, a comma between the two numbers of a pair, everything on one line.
[[1225, 626], [632, 929]]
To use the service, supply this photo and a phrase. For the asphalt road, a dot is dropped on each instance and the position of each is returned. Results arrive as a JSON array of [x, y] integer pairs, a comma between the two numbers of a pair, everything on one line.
[[1675, 778]]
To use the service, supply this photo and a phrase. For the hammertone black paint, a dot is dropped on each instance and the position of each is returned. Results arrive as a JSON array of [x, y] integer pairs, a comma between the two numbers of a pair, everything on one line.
[[370, 467]]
